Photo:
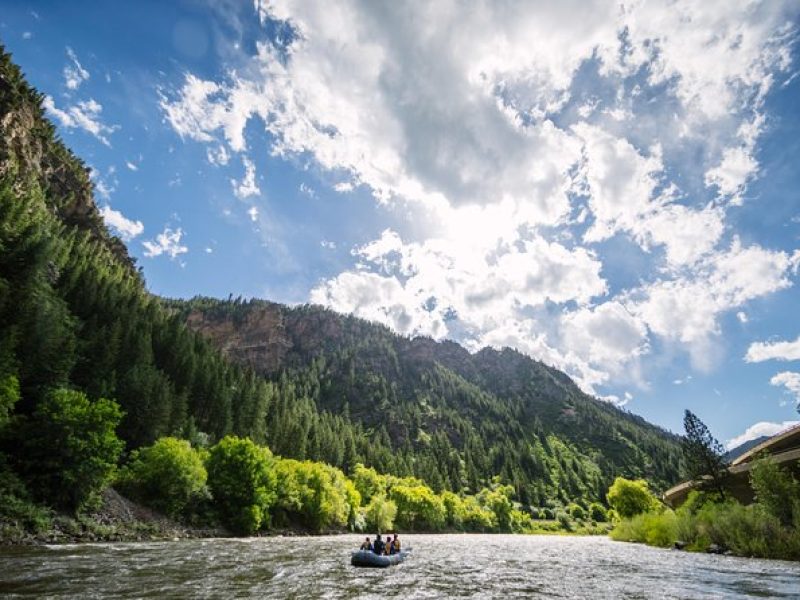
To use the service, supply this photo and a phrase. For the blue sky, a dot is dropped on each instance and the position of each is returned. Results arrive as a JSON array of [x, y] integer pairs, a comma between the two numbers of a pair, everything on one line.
[[615, 195]]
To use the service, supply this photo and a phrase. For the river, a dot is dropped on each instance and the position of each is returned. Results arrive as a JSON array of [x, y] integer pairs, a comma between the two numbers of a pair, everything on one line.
[[470, 566]]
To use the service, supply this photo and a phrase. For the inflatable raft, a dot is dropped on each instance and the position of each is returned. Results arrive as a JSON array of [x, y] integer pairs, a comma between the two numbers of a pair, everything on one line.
[[367, 558]]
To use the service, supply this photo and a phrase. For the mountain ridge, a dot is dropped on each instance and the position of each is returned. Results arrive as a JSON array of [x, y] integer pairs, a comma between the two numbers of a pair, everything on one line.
[[504, 385], [75, 313]]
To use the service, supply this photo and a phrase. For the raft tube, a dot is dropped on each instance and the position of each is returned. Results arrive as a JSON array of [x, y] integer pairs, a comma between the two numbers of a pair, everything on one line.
[[367, 558]]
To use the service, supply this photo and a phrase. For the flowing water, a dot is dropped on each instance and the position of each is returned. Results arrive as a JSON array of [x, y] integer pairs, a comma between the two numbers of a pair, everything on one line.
[[471, 566]]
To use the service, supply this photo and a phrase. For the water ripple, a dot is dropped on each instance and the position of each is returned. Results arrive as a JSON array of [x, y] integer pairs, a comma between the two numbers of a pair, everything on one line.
[[461, 566]]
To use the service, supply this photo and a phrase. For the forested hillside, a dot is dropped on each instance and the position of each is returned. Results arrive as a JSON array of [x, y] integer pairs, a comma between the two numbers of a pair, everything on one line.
[[452, 418], [75, 315]]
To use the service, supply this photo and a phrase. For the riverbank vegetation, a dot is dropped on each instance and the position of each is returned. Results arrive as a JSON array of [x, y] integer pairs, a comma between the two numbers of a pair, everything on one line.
[[710, 519], [768, 528]]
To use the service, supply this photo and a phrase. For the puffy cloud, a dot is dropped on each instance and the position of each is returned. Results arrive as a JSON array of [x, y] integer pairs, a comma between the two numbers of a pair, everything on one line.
[[730, 176], [252, 212], [474, 125], [127, 229], [247, 186], [757, 430], [74, 73], [167, 242], [790, 380], [625, 194], [761, 351], [84, 115], [606, 335], [687, 308]]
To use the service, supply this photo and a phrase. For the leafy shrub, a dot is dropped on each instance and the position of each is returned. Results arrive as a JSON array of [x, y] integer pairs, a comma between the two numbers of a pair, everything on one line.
[[777, 491], [648, 528], [17, 510], [477, 517], [744, 530], [167, 475], [70, 448], [576, 512], [597, 512], [454, 509], [418, 507], [316, 494], [630, 498], [241, 476]]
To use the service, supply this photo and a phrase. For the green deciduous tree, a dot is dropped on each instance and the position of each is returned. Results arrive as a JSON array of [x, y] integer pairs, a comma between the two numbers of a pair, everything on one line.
[[70, 447], [630, 498], [777, 491], [242, 480], [379, 514], [315, 494], [167, 475], [597, 512], [418, 507]]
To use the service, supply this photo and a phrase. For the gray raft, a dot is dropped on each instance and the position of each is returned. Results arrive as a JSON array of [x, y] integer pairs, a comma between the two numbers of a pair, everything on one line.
[[367, 558]]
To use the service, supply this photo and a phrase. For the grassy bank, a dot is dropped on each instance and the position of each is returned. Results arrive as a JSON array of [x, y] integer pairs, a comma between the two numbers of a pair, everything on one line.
[[732, 527], [768, 528]]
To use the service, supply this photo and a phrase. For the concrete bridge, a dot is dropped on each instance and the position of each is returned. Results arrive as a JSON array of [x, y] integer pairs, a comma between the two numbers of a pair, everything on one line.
[[783, 448]]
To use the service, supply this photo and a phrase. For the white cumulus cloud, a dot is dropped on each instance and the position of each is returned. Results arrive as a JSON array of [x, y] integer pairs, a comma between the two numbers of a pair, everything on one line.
[[757, 430], [761, 351], [167, 242], [789, 380], [472, 124], [127, 229]]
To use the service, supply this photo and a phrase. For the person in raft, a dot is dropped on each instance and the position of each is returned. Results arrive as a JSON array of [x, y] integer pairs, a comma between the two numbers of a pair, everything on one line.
[[378, 546], [395, 545], [366, 545]]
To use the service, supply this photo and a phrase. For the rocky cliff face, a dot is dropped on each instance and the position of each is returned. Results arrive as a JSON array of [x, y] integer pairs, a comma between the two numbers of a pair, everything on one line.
[[29, 154], [258, 340]]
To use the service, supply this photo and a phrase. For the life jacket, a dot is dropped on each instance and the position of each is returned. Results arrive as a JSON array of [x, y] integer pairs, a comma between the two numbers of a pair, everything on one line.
[[378, 547], [396, 546]]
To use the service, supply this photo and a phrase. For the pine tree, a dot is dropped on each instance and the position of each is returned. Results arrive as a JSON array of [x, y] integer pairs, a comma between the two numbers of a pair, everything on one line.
[[703, 455]]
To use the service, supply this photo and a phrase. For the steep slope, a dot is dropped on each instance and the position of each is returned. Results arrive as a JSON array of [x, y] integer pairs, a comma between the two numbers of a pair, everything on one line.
[[74, 312], [473, 415]]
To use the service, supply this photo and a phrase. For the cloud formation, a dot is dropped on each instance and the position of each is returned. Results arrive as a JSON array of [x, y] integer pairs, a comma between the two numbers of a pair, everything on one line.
[[247, 186], [761, 351], [519, 148], [74, 73], [84, 115], [127, 229], [167, 242], [757, 430]]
